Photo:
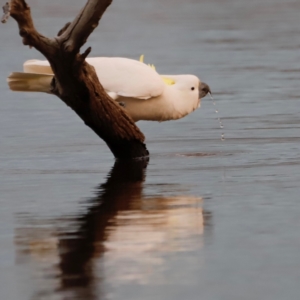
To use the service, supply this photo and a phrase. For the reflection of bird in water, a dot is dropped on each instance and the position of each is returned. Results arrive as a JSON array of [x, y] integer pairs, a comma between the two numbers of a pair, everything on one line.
[[130, 232], [143, 93], [139, 238]]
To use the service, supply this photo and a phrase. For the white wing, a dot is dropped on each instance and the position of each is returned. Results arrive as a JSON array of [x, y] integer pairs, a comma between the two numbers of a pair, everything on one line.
[[119, 76], [127, 77]]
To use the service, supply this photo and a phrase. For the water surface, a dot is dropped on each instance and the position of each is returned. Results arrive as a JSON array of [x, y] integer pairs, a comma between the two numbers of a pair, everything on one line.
[[204, 219]]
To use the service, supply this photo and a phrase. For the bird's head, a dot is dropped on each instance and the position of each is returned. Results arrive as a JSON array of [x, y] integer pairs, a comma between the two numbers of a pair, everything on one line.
[[186, 93], [190, 85]]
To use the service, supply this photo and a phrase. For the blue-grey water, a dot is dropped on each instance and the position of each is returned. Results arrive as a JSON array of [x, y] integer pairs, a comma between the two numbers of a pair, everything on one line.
[[205, 219]]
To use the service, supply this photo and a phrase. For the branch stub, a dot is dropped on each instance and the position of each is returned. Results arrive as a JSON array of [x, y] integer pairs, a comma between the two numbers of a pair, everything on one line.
[[6, 11]]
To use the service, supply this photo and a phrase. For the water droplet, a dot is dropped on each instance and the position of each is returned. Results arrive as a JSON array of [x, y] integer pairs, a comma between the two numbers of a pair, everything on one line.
[[219, 119]]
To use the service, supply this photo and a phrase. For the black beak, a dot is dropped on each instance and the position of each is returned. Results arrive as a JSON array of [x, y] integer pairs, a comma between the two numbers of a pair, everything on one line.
[[204, 89]]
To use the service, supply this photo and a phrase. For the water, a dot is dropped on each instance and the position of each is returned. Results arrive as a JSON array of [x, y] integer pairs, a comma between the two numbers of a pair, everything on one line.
[[219, 119], [204, 219]]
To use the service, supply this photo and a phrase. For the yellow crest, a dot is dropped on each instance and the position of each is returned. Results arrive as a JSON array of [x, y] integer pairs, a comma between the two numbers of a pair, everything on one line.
[[167, 81], [142, 60]]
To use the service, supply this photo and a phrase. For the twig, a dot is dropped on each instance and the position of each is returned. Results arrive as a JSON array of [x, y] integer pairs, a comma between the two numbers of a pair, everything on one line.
[[6, 11]]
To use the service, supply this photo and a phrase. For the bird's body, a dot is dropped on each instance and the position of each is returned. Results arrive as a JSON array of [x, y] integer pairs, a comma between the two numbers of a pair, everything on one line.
[[144, 93]]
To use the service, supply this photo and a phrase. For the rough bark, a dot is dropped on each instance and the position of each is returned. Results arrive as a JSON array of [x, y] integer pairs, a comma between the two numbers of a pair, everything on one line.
[[75, 81]]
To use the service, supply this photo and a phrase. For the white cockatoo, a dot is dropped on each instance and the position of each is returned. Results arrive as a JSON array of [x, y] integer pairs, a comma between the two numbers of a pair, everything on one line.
[[143, 93]]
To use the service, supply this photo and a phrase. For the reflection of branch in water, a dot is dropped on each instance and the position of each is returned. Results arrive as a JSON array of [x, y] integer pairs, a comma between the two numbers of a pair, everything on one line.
[[124, 185], [130, 231]]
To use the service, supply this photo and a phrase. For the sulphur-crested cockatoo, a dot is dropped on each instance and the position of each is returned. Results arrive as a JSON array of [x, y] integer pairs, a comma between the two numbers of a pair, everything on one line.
[[144, 93]]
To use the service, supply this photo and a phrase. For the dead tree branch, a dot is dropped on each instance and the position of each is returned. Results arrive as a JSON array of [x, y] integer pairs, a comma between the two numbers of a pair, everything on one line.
[[84, 24], [75, 81]]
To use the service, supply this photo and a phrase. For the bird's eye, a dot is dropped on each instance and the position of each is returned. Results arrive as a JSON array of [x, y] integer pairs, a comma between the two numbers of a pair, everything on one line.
[[192, 88]]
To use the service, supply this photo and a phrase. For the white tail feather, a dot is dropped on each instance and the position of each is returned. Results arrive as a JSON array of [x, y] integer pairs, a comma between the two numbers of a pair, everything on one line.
[[37, 66], [29, 82]]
